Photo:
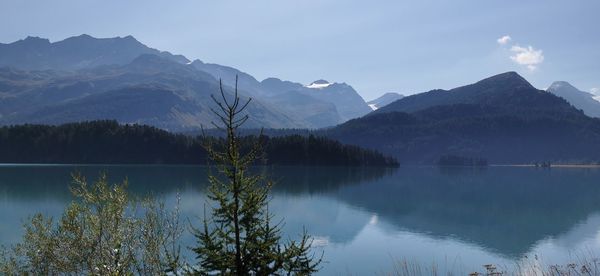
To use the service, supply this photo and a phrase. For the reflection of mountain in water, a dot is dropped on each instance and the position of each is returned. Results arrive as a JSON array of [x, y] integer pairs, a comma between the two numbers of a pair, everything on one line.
[[306, 198], [26, 190], [506, 210]]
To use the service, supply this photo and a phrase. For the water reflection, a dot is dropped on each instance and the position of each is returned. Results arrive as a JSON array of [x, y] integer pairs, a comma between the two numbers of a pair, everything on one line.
[[506, 210], [453, 217]]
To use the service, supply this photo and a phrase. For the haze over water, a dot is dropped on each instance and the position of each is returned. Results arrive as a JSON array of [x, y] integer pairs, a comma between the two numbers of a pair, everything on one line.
[[365, 220]]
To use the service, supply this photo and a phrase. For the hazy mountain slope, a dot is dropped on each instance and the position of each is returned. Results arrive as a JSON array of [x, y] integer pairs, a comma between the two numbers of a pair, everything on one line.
[[64, 87], [35, 74], [275, 86], [315, 113], [384, 100], [84, 51], [153, 106], [504, 120], [347, 101], [228, 76], [70, 98], [580, 99]]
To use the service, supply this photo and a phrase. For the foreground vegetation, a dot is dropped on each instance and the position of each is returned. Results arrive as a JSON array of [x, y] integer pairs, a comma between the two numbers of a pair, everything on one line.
[[108, 142], [526, 267], [104, 232], [239, 237]]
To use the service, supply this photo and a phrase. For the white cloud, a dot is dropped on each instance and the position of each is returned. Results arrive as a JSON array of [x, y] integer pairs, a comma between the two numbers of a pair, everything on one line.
[[528, 56], [503, 40]]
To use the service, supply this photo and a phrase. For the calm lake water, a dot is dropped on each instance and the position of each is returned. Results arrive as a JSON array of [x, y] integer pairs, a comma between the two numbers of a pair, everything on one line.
[[367, 220]]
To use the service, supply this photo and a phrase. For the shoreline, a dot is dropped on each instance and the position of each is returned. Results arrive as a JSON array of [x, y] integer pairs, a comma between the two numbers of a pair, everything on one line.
[[551, 166]]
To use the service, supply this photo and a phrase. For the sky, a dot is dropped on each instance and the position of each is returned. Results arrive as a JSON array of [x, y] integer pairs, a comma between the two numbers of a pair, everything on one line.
[[376, 46]]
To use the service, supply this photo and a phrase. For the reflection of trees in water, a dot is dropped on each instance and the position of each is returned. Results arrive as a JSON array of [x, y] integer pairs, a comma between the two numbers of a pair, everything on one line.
[[506, 210], [35, 182], [323, 216], [31, 182], [301, 180]]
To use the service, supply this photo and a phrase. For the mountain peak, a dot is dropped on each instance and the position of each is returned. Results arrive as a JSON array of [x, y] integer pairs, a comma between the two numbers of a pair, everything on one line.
[[34, 40], [319, 84], [196, 62], [510, 75], [271, 79], [588, 102], [561, 85], [84, 36], [384, 100], [320, 81], [508, 79], [130, 39]]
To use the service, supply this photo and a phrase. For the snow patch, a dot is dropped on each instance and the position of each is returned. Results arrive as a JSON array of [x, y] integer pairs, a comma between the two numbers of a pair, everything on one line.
[[374, 219], [318, 85], [373, 106]]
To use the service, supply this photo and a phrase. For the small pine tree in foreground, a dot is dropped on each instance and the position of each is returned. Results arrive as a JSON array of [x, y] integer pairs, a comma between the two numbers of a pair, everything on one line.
[[239, 238]]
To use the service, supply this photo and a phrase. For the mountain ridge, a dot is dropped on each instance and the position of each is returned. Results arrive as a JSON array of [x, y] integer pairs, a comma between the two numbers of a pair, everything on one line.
[[383, 100], [509, 89], [579, 99], [73, 53], [82, 66], [528, 126]]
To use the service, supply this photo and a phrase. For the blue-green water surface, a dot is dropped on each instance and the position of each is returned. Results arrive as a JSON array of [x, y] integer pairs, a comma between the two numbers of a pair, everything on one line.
[[368, 220]]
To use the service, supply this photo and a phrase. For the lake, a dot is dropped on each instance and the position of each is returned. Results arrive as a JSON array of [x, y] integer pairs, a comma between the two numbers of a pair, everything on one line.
[[368, 220]]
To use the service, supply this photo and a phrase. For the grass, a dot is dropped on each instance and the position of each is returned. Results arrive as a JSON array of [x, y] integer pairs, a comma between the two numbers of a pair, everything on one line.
[[527, 267]]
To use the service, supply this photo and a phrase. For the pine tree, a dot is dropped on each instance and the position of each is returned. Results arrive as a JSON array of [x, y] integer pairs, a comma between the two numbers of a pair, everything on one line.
[[239, 238]]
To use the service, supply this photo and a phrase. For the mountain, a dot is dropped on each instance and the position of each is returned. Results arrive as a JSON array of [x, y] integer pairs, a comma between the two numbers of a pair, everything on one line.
[[79, 52], [314, 112], [311, 108], [43, 78], [150, 90], [508, 90], [274, 86], [580, 99], [154, 106], [502, 119], [347, 101], [228, 76], [384, 100]]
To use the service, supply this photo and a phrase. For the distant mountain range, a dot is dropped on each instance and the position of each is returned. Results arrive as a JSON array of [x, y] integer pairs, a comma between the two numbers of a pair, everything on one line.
[[79, 52], [585, 101], [87, 78], [502, 118], [384, 100]]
